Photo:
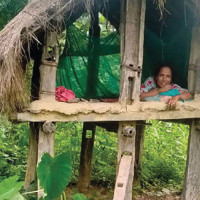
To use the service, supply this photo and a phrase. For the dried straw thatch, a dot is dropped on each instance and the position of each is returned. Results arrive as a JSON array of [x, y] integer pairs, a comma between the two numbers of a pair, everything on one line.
[[17, 36], [22, 31]]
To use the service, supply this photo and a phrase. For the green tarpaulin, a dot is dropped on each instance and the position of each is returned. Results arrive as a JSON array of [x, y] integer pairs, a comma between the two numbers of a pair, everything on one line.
[[91, 66]]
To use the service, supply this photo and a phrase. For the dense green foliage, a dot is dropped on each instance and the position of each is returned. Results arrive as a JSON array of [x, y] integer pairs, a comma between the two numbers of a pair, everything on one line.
[[163, 161], [68, 140], [8, 9], [165, 153], [13, 149]]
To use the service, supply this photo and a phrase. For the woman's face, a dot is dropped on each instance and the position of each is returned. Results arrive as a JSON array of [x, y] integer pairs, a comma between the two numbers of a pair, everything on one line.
[[164, 77]]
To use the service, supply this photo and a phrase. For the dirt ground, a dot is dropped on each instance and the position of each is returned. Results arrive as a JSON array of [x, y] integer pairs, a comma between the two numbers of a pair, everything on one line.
[[103, 193], [155, 197]]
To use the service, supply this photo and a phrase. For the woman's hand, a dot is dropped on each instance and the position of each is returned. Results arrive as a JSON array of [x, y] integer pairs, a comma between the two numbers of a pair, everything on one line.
[[165, 99], [173, 101], [184, 96]]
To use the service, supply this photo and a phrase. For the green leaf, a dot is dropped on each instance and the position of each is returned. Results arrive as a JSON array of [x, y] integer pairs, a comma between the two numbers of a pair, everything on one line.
[[10, 187], [54, 174], [79, 196], [18, 196]]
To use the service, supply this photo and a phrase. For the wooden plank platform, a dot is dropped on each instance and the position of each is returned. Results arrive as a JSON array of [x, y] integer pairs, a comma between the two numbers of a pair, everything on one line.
[[51, 110]]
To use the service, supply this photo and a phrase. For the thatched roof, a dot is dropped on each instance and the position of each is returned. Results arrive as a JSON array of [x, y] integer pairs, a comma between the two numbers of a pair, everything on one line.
[[18, 35]]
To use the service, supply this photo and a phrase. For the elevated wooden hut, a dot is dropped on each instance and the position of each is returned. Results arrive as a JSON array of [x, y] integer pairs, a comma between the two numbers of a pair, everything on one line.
[[151, 33]]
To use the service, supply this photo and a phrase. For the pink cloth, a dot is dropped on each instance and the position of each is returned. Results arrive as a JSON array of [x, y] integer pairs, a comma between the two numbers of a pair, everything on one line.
[[63, 94]]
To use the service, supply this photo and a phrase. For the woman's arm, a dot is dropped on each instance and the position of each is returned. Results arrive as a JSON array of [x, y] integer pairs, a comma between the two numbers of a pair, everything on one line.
[[183, 96], [154, 92], [151, 93]]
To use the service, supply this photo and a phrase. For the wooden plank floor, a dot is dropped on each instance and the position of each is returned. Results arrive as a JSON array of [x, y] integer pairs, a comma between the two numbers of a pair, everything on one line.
[[51, 110]]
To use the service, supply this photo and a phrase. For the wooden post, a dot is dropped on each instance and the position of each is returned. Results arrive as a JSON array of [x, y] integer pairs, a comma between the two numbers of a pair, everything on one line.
[[86, 156], [126, 159], [34, 127], [139, 146], [132, 37], [45, 143], [191, 187], [46, 139], [42, 134], [48, 69], [47, 90], [32, 155], [49, 66], [194, 64], [122, 27], [197, 84]]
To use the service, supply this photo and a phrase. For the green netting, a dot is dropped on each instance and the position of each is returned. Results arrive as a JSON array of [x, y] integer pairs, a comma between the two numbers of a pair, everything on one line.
[[174, 52], [167, 41], [91, 66]]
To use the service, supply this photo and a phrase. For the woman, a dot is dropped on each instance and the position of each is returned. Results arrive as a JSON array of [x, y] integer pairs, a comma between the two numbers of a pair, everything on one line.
[[161, 88]]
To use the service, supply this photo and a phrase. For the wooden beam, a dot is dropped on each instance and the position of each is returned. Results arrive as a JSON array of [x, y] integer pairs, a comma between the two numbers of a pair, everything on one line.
[[32, 155], [109, 126], [132, 38], [46, 139], [139, 146], [122, 181], [197, 88], [98, 112], [85, 167], [48, 67], [191, 189], [45, 143], [194, 65], [34, 127], [125, 160], [122, 27]]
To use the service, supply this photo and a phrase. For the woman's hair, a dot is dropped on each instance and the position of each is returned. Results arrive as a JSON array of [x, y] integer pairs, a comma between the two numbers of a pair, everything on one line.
[[159, 68]]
